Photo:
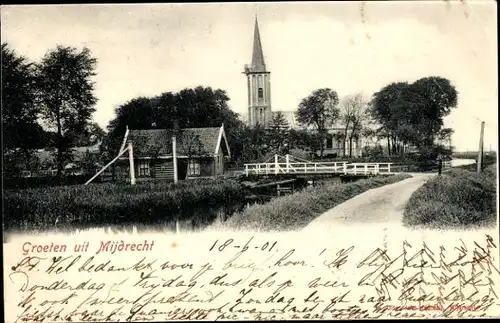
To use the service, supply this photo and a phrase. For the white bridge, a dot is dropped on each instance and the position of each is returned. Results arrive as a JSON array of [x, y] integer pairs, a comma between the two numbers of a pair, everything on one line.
[[289, 164]]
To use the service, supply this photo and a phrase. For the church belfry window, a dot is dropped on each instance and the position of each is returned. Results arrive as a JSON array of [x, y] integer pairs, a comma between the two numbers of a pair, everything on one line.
[[261, 93]]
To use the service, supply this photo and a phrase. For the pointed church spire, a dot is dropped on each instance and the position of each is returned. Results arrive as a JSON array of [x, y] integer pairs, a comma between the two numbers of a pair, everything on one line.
[[257, 57]]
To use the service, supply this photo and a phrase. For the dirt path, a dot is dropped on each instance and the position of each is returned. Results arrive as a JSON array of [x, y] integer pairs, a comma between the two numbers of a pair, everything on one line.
[[383, 205]]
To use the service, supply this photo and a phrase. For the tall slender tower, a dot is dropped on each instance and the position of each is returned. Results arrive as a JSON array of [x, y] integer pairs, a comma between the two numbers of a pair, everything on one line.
[[259, 85]]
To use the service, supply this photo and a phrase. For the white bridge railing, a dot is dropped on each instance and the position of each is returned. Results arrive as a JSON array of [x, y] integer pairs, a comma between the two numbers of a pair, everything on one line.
[[368, 168], [293, 165]]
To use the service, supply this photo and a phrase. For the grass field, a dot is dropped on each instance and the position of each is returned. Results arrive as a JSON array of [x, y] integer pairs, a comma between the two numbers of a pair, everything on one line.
[[108, 204], [458, 199], [297, 210]]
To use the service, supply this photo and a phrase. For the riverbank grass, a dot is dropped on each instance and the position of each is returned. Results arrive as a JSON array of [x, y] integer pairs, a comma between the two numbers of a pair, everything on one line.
[[295, 211], [111, 204], [459, 199]]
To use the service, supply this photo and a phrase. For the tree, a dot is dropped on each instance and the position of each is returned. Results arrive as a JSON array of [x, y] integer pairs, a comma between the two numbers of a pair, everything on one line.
[[444, 135], [95, 134], [90, 161], [354, 116], [432, 98], [252, 144], [373, 151], [320, 111], [384, 109], [371, 135], [189, 108], [278, 131], [20, 129], [305, 140], [92, 134], [137, 113], [360, 120], [66, 96], [413, 113], [206, 107], [346, 117]]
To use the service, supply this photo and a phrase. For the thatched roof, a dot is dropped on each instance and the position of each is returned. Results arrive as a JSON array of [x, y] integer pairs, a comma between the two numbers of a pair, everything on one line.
[[190, 142]]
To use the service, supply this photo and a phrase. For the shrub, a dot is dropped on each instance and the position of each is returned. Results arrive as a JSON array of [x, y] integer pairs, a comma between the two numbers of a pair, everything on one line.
[[99, 204], [297, 210], [459, 198]]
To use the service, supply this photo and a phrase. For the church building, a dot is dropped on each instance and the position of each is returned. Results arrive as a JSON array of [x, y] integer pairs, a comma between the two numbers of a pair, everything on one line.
[[259, 85], [260, 111]]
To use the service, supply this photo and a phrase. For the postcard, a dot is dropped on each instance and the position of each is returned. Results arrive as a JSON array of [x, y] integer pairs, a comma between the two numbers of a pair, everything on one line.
[[250, 161]]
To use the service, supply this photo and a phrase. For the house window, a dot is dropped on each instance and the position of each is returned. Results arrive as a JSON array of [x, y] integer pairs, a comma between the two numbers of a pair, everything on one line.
[[329, 142], [144, 168], [193, 167], [261, 93]]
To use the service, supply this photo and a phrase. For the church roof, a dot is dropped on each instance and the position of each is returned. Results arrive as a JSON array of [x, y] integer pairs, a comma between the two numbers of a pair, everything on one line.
[[258, 63]]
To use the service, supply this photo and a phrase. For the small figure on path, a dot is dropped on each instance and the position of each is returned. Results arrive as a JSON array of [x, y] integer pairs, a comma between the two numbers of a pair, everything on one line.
[[440, 164]]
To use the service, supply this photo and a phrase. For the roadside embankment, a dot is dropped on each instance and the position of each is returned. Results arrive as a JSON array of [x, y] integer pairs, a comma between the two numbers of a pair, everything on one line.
[[457, 199], [295, 211]]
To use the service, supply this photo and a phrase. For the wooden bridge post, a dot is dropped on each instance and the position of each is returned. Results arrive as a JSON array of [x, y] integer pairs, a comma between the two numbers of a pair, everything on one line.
[[345, 168], [174, 157], [287, 163], [276, 164], [246, 170]]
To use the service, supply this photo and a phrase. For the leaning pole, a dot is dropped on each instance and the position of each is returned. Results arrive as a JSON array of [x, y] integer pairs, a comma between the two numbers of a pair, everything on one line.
[[480, 152]]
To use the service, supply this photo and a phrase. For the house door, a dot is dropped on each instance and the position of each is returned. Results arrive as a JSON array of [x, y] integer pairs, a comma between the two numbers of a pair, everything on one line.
[[221, 164]]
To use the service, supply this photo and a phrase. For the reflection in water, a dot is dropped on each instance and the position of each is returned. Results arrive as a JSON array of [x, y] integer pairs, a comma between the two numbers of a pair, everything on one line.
[[196, 221], [462, 162]]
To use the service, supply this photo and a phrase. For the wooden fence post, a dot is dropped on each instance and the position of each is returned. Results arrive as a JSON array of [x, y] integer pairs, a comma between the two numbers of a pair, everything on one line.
[[131, 163]]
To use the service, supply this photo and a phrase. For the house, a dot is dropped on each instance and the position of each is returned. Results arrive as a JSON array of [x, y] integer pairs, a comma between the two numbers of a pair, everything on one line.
[[200, 153], [336, 145]]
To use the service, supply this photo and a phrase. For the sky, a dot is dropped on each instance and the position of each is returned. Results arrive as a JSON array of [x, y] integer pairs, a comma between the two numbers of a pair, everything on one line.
[[350, 47]]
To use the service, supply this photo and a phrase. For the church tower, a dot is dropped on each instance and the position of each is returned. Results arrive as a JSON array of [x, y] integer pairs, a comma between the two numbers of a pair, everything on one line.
[[259, 85]]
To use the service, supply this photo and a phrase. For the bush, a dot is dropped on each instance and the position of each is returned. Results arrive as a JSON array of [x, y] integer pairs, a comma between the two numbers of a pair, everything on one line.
[[104, 204], [459, 198], [46, 181], [297, 210]]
